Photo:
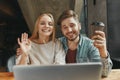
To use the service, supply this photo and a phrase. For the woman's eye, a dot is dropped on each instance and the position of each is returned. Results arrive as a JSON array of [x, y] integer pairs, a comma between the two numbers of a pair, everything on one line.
[[42, 23], [45, 23], [50, 24]]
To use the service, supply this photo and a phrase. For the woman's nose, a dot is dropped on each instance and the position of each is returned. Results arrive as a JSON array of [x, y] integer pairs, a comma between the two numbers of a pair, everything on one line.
[[46, 25]]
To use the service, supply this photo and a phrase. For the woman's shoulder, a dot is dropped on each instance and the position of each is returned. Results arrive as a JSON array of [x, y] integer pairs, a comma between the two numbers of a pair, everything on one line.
[[33, 41]]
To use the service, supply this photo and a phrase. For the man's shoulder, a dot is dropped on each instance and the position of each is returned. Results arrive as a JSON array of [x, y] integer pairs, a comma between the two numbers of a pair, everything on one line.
[[85, 38], [62, 38], [57, 40]]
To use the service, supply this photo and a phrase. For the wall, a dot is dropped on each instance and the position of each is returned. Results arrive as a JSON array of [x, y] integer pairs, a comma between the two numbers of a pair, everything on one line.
[[97, 11], [31, 9], [114, 31]]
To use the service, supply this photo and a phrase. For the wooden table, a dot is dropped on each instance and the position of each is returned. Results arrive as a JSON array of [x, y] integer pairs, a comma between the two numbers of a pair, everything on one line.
[[114, 75], [6, 76]]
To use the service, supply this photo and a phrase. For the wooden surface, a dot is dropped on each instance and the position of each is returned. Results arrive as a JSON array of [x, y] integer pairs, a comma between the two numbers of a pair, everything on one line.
[[6, 76], [114, 75]]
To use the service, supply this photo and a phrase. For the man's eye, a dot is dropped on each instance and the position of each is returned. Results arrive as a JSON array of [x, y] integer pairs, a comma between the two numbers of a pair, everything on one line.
[[64, 27], [72, 25]]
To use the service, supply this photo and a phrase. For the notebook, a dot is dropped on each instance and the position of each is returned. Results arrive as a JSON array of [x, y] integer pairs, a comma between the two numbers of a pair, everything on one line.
[[76, 71]]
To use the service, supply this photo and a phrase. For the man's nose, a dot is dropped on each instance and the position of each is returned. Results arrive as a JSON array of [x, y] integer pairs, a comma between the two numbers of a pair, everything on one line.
[[69, 29]]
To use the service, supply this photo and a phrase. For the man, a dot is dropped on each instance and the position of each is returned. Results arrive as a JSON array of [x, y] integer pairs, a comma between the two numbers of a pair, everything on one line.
[[82, 49]]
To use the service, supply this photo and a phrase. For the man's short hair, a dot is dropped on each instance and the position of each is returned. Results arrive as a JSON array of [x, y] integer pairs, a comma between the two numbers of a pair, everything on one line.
[[67, 14]]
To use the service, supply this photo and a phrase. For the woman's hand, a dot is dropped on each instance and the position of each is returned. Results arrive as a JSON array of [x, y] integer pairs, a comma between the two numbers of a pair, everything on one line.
[[100, 42], [24, 43]]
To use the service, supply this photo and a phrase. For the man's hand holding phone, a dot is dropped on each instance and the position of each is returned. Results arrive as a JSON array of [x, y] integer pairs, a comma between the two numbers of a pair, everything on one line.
[[99, 38]]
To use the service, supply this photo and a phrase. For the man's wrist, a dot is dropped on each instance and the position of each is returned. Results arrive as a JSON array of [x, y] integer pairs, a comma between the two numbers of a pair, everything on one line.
[[104, 57]]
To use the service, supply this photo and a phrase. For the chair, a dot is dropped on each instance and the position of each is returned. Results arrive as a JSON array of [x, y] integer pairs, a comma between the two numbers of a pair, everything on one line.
[[11, 63], [115, 55]]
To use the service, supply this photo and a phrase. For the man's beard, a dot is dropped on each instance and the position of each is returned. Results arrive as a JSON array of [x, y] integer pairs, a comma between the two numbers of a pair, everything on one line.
[[73, 38]]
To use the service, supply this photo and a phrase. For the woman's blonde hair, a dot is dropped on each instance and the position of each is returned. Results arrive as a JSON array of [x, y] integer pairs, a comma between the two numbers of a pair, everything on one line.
[[35, 34]]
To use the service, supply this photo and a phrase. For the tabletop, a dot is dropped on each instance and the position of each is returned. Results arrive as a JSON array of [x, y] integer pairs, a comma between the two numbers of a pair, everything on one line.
[[114, 75], [6, 76]]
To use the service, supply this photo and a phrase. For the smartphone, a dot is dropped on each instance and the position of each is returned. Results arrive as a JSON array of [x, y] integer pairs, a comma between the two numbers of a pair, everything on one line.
[[99, 26]]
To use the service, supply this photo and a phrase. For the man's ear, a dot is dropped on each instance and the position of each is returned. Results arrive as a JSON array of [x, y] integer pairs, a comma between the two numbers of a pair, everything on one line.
[[79, 26]]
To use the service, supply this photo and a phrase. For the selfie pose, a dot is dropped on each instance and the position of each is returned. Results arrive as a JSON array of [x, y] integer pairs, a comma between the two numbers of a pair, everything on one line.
[[79, 48]]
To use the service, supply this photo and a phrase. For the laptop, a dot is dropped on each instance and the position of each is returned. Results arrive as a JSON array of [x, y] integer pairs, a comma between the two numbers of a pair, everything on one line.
[[76, 71]]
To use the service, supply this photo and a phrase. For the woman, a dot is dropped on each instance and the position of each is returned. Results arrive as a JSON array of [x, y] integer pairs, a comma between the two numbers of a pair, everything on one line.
[[41, 47]]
